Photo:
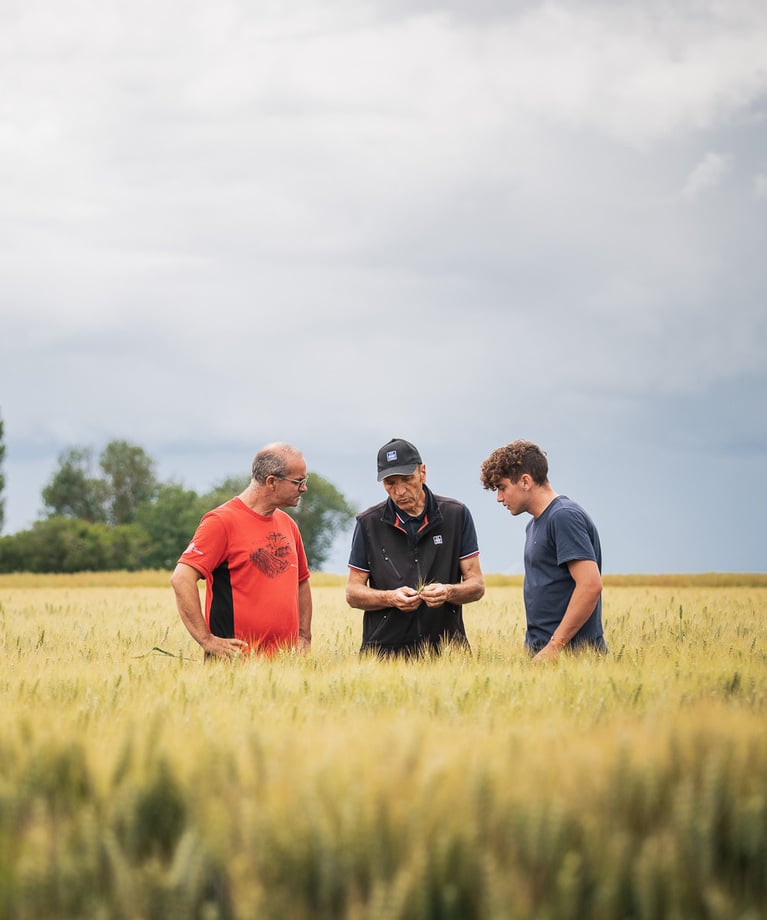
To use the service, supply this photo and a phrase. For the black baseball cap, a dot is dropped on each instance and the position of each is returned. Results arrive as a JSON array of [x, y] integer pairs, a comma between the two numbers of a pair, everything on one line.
[[397, 458]]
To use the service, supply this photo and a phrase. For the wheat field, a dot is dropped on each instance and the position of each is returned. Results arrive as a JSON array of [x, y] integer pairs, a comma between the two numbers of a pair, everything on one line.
[[138, 782]]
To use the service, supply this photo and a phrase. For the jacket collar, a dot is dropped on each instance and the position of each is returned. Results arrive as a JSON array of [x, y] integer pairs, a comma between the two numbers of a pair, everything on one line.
[[431, 512]]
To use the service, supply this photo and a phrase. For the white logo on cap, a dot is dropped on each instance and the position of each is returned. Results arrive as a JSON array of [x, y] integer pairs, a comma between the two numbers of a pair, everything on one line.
[[391, 455]]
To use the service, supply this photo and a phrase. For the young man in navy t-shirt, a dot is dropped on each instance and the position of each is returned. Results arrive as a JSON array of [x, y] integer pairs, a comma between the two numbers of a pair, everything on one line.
[[563, 555]]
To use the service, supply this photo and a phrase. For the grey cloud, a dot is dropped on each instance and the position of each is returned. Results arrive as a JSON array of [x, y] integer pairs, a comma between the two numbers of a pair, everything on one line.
[[334, 223]]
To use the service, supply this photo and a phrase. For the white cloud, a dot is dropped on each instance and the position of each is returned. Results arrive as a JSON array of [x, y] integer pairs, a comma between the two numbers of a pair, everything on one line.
[[708, 174]]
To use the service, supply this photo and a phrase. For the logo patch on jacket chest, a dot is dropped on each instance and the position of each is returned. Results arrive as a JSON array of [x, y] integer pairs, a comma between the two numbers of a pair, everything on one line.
[[437, 539]]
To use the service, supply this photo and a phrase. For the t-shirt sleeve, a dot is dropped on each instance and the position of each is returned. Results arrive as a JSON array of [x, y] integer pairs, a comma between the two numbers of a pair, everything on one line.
[[303, 564], [358, 556], [208, 546], [469, 542], [571, 535]]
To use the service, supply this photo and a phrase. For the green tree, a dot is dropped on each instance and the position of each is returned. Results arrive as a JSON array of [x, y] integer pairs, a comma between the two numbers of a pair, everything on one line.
[[130, 548], [130, 480], [322, 514], [11, 558], [73, 491], [114, 498], [169, 521], [2, 476], [127, 520], [60, 544]]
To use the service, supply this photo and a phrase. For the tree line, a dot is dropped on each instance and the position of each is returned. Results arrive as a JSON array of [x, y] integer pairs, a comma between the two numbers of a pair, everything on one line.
[[112, 513]]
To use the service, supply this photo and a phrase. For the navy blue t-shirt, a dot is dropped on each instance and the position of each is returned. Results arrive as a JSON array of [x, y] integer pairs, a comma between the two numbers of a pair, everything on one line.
[[563, 533]]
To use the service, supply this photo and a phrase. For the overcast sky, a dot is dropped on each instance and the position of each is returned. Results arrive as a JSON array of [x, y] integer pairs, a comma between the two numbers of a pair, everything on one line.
[[333, 223]]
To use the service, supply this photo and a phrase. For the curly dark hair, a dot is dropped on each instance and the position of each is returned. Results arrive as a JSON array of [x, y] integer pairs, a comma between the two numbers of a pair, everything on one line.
[[512, 462]]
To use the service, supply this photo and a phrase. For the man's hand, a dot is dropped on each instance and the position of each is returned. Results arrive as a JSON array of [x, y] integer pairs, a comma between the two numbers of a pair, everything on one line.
[[549, 652], [224, 648], [407, 599], [303, 644], [435, 595]]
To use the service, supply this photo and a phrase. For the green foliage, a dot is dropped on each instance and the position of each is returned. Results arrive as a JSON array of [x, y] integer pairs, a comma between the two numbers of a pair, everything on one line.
[[169, 521], [130, 480], [322, 514], [60, 544], [113, 498], [130, 546], [73, 491], [11, 555], [127, 520]]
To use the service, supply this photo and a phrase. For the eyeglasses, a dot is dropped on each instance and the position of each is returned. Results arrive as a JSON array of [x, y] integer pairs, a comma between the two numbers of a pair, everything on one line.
[[296, 482]]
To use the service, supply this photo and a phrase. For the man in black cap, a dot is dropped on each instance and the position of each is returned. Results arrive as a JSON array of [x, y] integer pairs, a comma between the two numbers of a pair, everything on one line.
[[414, 562]]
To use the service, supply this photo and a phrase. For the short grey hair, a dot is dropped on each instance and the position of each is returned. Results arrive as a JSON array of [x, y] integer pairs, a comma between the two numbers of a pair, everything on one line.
[[272, 460]]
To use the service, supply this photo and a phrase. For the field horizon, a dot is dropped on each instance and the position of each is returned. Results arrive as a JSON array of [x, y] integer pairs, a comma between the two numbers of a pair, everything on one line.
[[161, 578]]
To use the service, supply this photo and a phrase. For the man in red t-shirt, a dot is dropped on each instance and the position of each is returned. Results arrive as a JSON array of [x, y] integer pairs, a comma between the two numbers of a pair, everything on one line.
[[252, 558]]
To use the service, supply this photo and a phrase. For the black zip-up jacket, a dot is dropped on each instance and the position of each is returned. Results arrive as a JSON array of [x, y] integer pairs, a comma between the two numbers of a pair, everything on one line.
[[396, 560]]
